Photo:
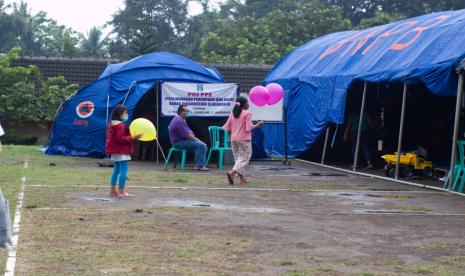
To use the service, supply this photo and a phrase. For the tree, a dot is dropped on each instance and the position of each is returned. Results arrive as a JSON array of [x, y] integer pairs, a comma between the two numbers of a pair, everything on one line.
[[25, 97], [148, 25], [54, 92], [10, 28], [234, 9], [380, 18], [267, 39], [198, 27], [357, 10], [42, 35], [94, 44], [411, 8], [61, 41], [16, 91]]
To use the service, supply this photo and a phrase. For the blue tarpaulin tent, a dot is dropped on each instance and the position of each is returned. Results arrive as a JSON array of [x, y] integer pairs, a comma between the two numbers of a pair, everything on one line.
[[316, 76], [80, 127]]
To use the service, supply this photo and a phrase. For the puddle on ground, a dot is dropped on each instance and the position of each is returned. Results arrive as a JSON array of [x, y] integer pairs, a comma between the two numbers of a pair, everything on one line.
[[325, 174], [359, 203], [201, 204], [389, 212], [359, 197], [102, 199], [397, 196], [270, 168]]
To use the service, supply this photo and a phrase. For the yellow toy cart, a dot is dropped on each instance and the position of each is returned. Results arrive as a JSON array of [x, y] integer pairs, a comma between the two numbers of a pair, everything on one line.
[[410, 164]]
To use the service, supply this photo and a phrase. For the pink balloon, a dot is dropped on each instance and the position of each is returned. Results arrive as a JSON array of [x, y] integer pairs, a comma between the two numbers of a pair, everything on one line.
[[259, 95], [276, 93]]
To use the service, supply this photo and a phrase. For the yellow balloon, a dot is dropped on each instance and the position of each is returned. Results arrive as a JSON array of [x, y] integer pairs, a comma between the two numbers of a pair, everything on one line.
[[144, 127]]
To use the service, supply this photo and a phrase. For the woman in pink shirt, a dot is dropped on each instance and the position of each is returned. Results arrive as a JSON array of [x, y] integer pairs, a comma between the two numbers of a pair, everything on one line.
[[240, 125]]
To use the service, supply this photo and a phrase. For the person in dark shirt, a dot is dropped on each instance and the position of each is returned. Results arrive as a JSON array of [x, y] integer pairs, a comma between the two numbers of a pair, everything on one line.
[[182, 137]]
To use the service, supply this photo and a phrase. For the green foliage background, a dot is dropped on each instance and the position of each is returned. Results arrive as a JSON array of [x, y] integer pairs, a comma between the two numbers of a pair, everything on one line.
[[25, 96]]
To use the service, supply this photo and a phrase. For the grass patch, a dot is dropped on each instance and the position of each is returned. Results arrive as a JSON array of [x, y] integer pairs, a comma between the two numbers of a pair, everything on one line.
[[326, 270], [312, 272], [456, 261], [346, 262], [422, 270], [193, 251], [300, 273], [286, 262], [413, 208], [437, 245]]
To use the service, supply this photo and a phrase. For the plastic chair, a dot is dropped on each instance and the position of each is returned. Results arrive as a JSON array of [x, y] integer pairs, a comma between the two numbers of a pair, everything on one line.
[[216, 145], [459, 167], [176, 159], [461, 146]]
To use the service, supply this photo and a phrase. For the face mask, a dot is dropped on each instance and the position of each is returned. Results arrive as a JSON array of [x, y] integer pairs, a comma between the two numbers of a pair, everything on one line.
[[124, 118], [188, 114]]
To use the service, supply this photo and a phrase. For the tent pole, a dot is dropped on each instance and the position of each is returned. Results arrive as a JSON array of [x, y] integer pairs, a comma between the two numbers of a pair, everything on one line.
[[157, 117], [456, 128], [401, 130], [323, 156], [359, 132], [286, 149]]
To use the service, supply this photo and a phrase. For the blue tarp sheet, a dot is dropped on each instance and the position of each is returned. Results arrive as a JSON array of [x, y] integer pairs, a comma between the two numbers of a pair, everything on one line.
[[316, 76], [80, 127]]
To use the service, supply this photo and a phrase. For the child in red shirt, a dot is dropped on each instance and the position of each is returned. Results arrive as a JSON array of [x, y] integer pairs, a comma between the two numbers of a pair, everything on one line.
[[118, 145]]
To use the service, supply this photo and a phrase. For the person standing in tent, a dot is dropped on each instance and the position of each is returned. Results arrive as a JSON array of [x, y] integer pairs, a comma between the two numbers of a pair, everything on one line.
[[352, 126], [182, 137], [119, 146], [240, 125]]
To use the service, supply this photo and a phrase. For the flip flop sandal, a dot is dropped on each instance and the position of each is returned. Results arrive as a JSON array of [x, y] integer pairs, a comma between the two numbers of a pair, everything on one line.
[[125, 194]]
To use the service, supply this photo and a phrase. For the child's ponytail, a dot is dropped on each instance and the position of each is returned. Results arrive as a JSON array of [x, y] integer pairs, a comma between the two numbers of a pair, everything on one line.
[[240, 103]]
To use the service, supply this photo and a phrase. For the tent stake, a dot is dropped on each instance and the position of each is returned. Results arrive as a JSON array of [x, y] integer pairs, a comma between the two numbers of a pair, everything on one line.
[[456, 128], [401, 130], [359, 131], [323, 156]]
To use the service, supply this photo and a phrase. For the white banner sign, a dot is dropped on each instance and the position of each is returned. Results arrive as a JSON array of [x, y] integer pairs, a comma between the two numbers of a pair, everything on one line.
[[267, 113], [204, 99]]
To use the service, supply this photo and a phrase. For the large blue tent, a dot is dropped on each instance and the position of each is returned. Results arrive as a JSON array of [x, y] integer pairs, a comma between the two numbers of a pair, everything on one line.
[[317, 75], [80, 127]]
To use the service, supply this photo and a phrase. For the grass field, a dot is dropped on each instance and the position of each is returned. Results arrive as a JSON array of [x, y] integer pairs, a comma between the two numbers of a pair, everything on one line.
[[188, 223]]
